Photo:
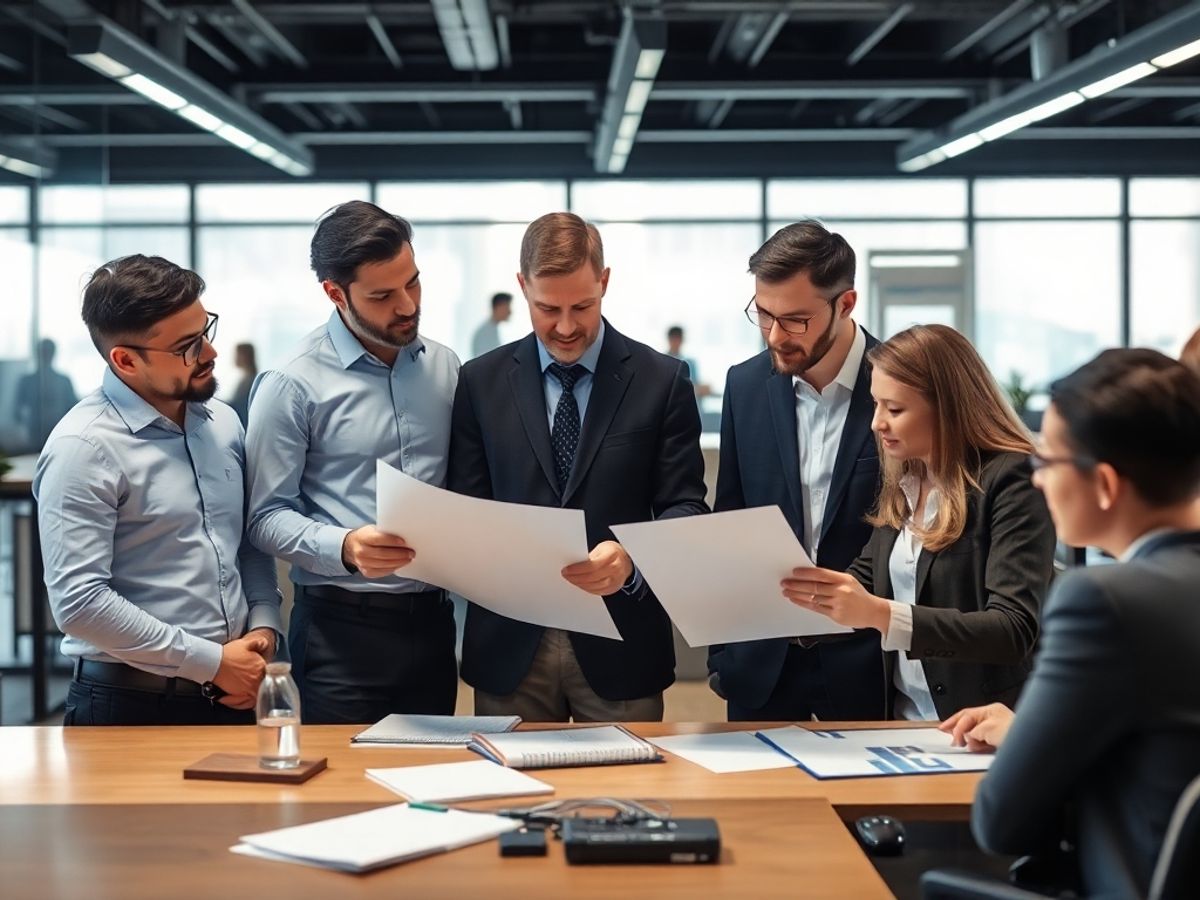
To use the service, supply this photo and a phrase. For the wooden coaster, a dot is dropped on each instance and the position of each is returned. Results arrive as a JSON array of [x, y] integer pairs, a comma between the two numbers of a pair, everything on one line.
[[239, 767]]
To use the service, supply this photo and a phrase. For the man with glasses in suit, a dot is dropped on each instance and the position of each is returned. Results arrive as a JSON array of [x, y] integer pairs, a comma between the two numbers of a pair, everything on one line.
[[169, 613], [796, 433]]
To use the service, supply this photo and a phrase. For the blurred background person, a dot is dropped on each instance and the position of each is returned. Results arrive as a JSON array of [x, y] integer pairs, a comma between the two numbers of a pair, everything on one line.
[[487, 335]]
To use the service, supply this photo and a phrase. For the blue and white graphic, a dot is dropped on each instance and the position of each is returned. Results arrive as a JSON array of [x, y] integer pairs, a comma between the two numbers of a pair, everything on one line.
[[868, 752]]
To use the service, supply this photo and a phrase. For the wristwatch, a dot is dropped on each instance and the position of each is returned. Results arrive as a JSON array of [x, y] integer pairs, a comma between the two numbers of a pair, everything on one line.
[[211, 692]]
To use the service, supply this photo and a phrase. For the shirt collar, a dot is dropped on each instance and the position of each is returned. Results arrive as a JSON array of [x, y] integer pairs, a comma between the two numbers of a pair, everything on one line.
[[590, 357], [136, 413], [910, 484], [847, 375], [349, 349], [1133, 549]]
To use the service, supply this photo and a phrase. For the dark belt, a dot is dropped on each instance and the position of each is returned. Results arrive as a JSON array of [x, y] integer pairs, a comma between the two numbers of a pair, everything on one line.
[[120, 675], [413, 604], [807, 643]]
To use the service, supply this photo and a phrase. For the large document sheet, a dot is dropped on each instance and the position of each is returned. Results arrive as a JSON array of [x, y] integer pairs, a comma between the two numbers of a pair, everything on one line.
[[506, 557], [726, 751], [718, 575], [859, 753]]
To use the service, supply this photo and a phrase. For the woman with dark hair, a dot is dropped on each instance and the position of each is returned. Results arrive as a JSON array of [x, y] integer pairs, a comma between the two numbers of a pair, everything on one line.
[[962, 553]]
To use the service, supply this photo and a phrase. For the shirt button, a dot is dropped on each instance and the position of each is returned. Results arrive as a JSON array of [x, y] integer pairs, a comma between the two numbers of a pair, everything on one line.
[[939, 689]]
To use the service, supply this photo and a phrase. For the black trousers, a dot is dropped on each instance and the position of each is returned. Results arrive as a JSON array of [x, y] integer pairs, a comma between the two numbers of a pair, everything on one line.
[[94, 703], [358, 657], [799, 695]]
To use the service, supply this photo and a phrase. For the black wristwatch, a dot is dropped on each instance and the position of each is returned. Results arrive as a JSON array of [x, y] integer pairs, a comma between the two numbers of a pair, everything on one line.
[[211, 692]]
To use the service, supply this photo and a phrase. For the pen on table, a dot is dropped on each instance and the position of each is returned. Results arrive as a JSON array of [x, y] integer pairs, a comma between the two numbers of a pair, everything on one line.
[[431, 807]]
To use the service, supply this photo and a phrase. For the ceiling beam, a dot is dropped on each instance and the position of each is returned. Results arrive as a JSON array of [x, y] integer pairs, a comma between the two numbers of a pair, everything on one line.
[[986, 29], [272, 34], [384, 42], [883, 30], [421, 93]]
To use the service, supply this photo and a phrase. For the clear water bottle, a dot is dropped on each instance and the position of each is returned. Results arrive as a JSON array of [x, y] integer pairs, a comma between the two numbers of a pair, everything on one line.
[[278, 718]]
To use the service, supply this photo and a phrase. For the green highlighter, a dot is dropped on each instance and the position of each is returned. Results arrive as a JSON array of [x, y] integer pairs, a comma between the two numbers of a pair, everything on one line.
[[431, 807]]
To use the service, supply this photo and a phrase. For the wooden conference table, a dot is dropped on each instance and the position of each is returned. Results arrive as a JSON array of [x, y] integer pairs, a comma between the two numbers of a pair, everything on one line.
[[105, 812]]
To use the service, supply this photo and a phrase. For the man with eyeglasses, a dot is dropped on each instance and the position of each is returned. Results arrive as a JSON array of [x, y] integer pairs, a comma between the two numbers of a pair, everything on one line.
[[168, 611], [796, 433]]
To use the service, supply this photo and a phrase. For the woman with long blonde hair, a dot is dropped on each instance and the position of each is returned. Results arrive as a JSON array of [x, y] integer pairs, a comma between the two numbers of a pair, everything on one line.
[[962, 553]]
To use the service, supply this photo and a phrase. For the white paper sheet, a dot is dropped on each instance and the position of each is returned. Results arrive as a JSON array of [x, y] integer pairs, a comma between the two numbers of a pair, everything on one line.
[[506, 557], [728, 751], [862, 753], [452, 782], [375, 838], [718, 575]]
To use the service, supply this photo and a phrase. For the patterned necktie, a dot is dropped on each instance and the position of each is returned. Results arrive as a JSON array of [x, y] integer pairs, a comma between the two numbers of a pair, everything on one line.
[[564, 437]]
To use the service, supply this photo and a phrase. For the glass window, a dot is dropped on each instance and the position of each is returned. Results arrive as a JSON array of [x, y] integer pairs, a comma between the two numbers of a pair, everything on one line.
[[465, 201], [66, 261], [635, 201], [924, 198], [17, 253], [14, 205], [1164, 197], [865, 237], [1165, 283], [95, 204], [1047, 197], [260, 283], [1047, 296], [273, 202]]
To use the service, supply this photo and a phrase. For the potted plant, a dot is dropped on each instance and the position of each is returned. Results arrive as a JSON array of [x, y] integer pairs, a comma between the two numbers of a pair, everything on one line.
[[1019, 395], [5, 465]]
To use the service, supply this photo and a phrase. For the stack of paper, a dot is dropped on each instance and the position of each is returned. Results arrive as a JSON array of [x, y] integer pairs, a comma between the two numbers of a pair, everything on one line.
[[729, 751], [374, 839], [449, 782], [597, 745], [874, 751], [421, 730]]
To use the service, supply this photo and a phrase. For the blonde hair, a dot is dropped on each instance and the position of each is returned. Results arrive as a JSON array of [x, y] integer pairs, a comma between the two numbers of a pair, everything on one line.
[[971, 416], [558, 244]]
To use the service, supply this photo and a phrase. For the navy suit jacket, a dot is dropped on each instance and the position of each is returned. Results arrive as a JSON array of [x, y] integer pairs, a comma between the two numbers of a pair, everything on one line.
[[1107, 733], [638, 459], [760, 466]]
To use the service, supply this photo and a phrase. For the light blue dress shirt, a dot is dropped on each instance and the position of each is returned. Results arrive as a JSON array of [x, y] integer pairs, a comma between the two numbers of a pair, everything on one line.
[[316, 428], [142, 534]]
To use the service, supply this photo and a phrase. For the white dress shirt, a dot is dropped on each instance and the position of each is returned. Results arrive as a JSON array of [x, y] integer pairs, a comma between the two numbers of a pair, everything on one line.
[[913, 699], [820, 419]]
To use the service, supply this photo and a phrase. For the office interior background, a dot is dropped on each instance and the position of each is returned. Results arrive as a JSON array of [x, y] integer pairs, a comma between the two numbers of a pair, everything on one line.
[[1026, 170]]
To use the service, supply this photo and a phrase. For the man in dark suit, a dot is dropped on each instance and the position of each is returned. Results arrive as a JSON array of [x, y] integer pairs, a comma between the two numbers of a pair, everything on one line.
[[576, 415], [1107, 733], [796, 433]]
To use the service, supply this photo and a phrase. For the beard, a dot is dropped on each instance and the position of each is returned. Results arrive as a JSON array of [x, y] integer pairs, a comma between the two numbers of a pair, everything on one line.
[[822, 346], [385, 335], [199, 393]]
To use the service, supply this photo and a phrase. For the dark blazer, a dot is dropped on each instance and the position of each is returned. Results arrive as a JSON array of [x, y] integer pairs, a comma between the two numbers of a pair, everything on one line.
[[760, 466], [638, 459], [975, 622], [1107, 735]]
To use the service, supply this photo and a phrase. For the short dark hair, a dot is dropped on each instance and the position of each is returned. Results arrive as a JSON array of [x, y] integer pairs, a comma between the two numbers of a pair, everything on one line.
[[129, 296], [501, 298], [1139, 411], [675, 331], [805, 246], [354, 233]]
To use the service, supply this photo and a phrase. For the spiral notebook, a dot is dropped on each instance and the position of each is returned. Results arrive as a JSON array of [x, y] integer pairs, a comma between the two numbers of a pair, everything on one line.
[[593, 746], [425, 730]]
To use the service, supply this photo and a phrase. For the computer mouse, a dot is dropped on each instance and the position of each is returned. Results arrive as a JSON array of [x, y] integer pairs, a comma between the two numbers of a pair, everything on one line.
[[880, 835]]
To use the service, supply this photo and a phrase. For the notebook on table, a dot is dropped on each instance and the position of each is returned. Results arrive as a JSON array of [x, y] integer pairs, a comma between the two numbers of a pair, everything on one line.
[[599, 745], [450, 731], [451, 782]]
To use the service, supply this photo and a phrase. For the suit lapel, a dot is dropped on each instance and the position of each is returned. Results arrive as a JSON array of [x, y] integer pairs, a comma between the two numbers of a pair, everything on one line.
[[855, 434], [781, 398], [883, 560], [924, 562], [529, 395], [609, 383]]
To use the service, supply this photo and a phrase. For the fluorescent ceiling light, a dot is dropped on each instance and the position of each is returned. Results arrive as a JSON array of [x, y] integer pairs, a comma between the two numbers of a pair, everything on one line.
[[648, 63], [961, 145], [639, 94], [1120, 79], [1174, 57], [21, 167], [1029, 116], [31, 161], [622, 146], [117, 54], [629, 125], [154, 91]]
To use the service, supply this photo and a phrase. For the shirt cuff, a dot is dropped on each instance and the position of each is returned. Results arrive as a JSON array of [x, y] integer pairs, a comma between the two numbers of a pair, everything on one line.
[[266, 615], [201, 659], [900, 627], [634, 584], [330, 539]]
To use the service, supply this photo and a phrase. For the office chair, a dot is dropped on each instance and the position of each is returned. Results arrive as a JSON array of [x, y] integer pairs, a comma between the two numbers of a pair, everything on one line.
[[1176, 874]]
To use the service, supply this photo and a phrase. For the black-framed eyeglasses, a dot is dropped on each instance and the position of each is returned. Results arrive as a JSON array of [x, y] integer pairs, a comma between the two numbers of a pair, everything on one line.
[[189, 352], [1039, 461], [791, 324]]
